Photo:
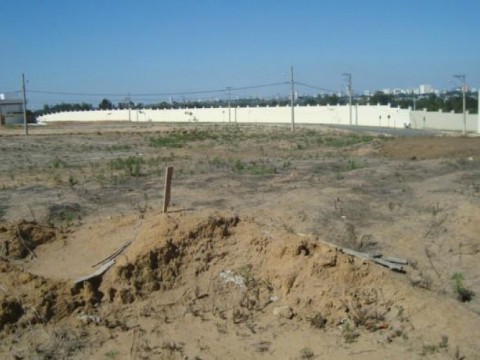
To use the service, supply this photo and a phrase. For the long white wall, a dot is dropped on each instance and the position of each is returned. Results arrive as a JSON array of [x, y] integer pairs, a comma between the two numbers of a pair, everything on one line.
[[444, 121], [363, 115]]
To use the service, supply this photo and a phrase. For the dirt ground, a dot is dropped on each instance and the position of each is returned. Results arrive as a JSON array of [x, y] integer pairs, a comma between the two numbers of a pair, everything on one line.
[[250, 260]]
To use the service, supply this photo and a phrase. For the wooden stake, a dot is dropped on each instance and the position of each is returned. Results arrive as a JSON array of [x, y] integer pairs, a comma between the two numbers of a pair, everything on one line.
[[168, 183]]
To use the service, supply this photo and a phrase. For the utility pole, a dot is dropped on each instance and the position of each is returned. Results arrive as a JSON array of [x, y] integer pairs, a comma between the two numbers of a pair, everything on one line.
[[129, 108], [463, 79], [348, 77], [229, 113], [292, 103], [25, 123]]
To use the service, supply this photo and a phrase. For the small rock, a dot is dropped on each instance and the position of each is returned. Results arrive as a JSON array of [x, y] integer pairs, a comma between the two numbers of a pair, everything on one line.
[[283, 312]]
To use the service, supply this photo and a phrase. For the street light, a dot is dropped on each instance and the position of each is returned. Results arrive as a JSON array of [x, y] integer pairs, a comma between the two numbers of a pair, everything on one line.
[[463, 79]]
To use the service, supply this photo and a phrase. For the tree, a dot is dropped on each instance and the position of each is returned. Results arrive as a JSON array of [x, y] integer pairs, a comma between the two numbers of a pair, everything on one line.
[[105, 104]]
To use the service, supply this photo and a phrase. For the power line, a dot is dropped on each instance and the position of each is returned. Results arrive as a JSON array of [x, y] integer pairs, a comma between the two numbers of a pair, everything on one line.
[[314, 87], [179, 93]]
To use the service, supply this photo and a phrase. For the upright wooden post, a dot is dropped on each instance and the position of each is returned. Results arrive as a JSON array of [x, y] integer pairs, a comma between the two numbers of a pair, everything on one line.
[[168, 183]]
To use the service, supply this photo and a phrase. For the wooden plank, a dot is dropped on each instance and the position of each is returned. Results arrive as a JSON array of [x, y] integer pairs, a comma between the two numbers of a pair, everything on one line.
[[390, 265], [98, 272], [356, 253], [168, 184], [115, 254], [395, 260]]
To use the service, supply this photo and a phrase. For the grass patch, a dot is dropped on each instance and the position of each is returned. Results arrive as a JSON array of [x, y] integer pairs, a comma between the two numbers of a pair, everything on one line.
[[58, 163], [347, 140], [463, 294], [180, 139], [131, 166], [257, 167]]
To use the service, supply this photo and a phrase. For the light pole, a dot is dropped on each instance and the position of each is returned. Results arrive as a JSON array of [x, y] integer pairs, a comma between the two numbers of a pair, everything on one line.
[[348, 77], [463, 79]]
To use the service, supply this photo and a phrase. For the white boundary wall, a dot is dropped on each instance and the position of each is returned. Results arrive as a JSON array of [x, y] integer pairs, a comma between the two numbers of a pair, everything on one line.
[[363, 115], [444, 121]]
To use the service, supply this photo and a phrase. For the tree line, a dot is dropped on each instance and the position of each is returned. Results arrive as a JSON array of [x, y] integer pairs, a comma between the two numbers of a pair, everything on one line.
[[450, 101]]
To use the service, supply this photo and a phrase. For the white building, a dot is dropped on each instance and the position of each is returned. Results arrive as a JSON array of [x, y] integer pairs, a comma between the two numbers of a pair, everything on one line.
[[11, 111], [425, 89]]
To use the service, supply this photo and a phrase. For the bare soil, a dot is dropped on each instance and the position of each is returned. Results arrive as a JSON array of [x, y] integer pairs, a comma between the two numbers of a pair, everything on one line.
[[248, 262]]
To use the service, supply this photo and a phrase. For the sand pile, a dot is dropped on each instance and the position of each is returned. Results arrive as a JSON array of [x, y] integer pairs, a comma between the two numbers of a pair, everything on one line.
[[233, 274], [19, 240], [246, 268]]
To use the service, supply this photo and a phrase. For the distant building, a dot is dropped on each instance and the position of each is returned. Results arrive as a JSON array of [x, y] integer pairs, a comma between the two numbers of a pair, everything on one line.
[[425, 89], [11, 111]]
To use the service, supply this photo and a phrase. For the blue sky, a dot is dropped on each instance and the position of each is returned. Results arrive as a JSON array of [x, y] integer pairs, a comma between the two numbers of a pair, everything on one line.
[[148, 46]]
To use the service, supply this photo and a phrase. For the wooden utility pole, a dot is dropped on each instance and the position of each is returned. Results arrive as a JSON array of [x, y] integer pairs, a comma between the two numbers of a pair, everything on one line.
[[168, 184], [292, 100], [25, 123]]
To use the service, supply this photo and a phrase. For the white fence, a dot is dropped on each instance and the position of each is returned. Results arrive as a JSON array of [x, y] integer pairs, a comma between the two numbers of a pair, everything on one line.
[[363, 115]]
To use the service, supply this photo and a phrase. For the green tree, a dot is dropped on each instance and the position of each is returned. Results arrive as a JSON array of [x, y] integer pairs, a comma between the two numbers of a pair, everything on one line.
[[105, 104]]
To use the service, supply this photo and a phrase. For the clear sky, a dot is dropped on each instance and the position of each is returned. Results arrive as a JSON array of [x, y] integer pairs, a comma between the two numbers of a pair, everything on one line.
[[155, 46]]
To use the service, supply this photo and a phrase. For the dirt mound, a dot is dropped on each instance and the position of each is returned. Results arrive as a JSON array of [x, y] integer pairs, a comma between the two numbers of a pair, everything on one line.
[[168, 250], [245, 270], [27, 299], [226, 276], [18, 240]]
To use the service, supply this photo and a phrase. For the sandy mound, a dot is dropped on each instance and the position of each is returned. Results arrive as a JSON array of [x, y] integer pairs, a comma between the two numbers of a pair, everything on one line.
[[227, 274], [19, 240], [240, 261]]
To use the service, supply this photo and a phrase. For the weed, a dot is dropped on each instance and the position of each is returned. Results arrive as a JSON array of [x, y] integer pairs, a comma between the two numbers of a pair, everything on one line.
[[352, 165], [286, 164], [246, 273], [349, 332], [119, 147], [443, 342], [429, 349], [238, 166], [347, 140], [59, 163], [111, 354], [72, 181], [457, 355], [180, 139], [262, 346], [131, 166], [436, 208], [218, 162], [69, 218], [262, 169], [318, 321], [306, 353], [463, 294]]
